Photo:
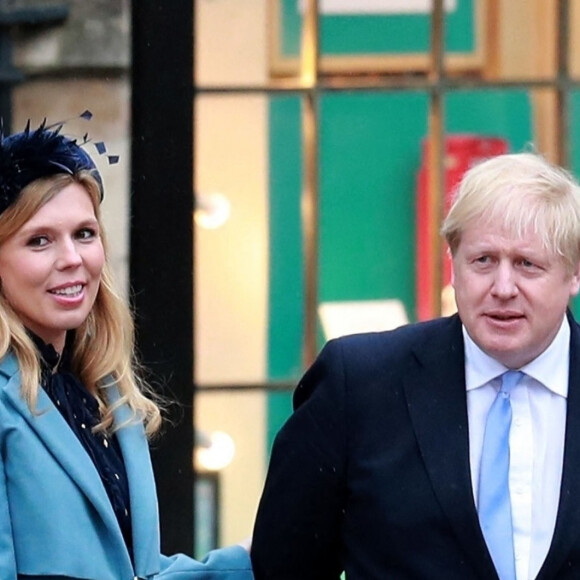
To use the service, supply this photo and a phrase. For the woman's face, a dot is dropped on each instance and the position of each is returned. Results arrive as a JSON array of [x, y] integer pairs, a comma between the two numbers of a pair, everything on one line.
[[50, 269]]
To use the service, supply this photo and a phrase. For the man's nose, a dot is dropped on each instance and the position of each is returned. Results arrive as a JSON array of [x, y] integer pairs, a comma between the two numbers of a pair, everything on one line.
[[505, 281]]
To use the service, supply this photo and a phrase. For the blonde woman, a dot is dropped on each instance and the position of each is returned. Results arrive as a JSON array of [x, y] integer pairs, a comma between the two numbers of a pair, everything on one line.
[[77, 495]]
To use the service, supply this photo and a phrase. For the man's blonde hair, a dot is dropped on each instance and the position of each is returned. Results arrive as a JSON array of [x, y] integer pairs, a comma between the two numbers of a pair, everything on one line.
[[521, 192]]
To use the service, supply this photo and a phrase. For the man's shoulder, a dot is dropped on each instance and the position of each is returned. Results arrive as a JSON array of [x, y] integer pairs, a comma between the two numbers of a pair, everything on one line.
[[378, 358], [367, 353], [404, 336]]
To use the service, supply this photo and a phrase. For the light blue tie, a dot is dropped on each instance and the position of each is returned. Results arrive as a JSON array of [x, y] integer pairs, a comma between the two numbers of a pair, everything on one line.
[[494, 507]]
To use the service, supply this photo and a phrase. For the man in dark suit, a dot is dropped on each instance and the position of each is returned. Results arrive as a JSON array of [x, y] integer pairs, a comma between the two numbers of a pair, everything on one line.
[[412, 454]]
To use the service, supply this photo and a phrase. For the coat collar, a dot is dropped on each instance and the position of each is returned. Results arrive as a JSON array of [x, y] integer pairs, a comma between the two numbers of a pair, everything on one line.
[[143, 495], [59, 439]]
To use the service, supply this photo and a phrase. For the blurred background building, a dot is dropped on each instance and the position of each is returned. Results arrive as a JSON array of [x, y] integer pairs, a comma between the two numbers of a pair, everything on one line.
[[284, 167]]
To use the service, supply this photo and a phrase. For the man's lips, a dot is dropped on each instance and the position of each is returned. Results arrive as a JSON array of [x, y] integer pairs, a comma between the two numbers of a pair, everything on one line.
[[504, 316]]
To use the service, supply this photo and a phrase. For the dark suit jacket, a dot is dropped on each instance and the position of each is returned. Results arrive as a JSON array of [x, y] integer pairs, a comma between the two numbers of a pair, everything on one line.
[[371, 472]]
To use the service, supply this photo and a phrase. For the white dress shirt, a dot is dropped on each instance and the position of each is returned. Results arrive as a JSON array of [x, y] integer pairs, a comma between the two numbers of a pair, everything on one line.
[[536, 441]]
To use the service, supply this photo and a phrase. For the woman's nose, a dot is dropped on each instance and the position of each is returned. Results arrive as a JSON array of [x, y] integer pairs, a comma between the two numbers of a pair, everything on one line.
[[68, 255]]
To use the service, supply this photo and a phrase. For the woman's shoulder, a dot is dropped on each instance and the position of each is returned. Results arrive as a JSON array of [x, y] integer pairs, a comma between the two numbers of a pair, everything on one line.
[[10, 397], [8, 367]]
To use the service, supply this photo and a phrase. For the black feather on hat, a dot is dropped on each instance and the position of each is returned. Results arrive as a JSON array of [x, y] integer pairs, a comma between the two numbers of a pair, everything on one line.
[[42, 152]]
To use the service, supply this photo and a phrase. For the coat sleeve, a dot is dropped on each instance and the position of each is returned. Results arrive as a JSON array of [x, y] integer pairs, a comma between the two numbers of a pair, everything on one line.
[[231, 563], [297, 533]]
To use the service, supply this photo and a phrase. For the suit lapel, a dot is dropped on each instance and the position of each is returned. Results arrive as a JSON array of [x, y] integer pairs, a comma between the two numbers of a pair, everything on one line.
[[568, 518], [436, 398], [144, 513]]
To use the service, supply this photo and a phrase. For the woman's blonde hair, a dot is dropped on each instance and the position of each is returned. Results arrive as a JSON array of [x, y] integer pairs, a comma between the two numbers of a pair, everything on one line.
[[103, 347], [520, 192]]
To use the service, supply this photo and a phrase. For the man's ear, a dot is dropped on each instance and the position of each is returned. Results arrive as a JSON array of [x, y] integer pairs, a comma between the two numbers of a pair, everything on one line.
[[450, 257], [575, 285]]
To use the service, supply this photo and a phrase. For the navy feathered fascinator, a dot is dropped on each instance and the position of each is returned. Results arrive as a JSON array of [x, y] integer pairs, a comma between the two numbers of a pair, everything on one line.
[[42, 152]]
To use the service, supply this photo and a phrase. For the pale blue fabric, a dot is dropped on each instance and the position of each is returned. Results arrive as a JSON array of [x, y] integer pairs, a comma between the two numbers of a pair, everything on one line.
[[494, 505], [56, 520]]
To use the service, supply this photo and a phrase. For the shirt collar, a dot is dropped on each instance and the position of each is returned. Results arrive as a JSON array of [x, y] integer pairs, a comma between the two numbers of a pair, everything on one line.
[[549, 368], [50, 360]]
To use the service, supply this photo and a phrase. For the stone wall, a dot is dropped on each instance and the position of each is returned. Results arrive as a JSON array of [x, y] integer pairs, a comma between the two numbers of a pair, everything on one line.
[[83, 63]]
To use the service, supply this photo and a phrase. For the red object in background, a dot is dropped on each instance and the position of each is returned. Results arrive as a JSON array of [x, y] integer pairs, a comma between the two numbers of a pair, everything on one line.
[[461, 152]]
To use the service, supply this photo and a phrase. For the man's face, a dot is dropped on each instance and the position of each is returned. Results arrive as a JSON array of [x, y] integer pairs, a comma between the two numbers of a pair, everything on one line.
[[511, 293]]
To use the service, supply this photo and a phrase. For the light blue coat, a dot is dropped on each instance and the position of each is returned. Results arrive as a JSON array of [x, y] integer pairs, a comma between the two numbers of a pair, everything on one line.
[[56, 521]]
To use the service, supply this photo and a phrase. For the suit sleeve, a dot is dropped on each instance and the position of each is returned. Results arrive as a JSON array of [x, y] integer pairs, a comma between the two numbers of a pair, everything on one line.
[[297, 529], [232, 563]]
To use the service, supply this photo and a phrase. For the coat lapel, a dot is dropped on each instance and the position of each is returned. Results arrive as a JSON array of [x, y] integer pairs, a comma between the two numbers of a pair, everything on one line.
[[60, 441], [436, 398], [568, 518], [144, 512]]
